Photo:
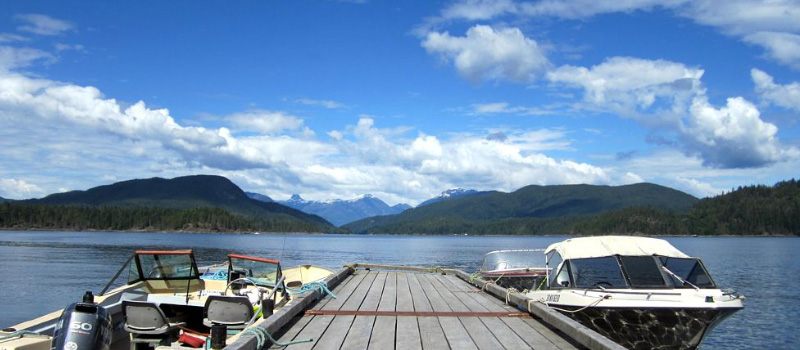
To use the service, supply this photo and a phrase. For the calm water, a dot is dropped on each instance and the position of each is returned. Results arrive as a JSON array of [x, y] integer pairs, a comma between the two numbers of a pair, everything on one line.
[[44, 271]]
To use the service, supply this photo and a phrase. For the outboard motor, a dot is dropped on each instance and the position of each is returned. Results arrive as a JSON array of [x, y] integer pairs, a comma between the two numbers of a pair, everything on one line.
[[83, 326]]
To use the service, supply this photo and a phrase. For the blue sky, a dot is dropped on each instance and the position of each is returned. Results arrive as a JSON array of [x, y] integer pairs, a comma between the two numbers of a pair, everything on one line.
[[399, 99]]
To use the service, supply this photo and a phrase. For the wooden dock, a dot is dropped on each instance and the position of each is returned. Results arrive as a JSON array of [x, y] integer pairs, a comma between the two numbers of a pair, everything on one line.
[[415, 308]]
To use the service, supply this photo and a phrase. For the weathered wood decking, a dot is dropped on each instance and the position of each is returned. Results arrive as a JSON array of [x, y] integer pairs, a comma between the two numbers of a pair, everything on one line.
[[372, 308]]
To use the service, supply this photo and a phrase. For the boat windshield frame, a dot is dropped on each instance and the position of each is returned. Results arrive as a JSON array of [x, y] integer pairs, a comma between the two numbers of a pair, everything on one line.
[[256, 270], [628, 272], [163, 265], [490, 264]]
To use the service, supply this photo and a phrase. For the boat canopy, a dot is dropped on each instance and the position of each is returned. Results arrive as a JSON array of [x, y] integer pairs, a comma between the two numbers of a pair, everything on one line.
[[600, 246]]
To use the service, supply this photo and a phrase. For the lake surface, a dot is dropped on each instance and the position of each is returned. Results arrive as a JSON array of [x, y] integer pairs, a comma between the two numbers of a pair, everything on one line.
[[44, 271]]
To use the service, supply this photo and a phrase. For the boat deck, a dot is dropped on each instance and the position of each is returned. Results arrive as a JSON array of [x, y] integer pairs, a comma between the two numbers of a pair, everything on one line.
[[380, 309]]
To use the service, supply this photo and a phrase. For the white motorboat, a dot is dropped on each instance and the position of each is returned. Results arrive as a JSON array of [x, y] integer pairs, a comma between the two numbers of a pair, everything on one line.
[[521, 269], [167, 303], [642, 293]]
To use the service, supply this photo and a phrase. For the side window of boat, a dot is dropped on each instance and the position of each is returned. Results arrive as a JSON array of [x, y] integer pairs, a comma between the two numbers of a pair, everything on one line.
[[561, 279], [643, 271], [556, 264], [688, 269], [597, 272]]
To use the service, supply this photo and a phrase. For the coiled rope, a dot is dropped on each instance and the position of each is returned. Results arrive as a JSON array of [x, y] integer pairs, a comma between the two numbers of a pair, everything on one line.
[[262, 336], [217, 276], [323, 288]]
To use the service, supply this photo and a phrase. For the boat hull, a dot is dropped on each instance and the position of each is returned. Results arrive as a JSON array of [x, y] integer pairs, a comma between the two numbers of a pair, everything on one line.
[[650, 328]]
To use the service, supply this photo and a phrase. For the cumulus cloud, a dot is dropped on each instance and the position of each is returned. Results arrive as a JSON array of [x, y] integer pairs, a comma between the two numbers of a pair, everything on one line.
[[668, 97], [43, 24], [489, 54], [733, 136], [787, 96], [18, 189], [627, 84]]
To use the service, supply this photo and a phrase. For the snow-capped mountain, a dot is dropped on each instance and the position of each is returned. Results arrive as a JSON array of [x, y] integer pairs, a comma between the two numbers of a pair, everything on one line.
[[449, 194], [340, 212]]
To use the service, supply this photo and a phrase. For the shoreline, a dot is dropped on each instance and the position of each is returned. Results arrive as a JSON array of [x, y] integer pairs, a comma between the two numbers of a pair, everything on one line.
[[359, 234]]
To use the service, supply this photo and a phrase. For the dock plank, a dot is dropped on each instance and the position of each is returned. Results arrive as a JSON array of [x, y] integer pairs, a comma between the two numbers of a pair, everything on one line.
[[384, 332], [457, 336], [420, 300], [389, 297], [361, 331], [404, 300], [421, 291], [430, 331]]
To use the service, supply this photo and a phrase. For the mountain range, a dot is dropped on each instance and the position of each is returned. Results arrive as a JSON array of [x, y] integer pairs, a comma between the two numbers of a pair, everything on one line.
[[187, 192], [340, 212], [528, 208]]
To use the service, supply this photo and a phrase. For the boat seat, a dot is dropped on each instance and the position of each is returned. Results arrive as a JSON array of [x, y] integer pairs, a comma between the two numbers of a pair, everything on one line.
[[145, 318], [235, 312]]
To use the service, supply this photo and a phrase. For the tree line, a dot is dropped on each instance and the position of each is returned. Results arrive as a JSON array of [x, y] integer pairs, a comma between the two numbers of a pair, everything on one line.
[[749, 210], [76, 218]]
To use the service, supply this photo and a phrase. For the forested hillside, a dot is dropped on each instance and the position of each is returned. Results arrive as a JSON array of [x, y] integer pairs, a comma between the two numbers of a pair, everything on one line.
[[191, 203], [529, 210]]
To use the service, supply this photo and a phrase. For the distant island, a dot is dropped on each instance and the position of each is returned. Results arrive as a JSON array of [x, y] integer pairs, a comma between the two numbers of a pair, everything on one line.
[[205, 203]]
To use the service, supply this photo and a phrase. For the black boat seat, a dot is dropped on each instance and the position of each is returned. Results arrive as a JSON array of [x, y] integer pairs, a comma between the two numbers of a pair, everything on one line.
[[235, 312], [145, 318]]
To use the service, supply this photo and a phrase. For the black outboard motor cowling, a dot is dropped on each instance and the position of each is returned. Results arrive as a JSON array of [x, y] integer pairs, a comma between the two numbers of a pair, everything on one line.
[[83, 326]]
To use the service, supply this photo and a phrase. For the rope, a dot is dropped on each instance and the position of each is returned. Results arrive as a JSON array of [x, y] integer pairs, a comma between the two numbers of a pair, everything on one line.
[[594, 303], [18, 334], [436, 269], [508, 294], [323, 288], [262, 336], [217, 276]]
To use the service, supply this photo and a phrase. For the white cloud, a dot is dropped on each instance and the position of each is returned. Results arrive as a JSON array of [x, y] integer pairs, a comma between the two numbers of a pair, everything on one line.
[[43, 24], [67, 47], [266, 122], [783, 47], [733, 136], [322, 103], [771, 24], [12, 57], [626, 84], [505, 108], [668, 97], [489, 54], [10, 37], [787, 96], [18, 189]]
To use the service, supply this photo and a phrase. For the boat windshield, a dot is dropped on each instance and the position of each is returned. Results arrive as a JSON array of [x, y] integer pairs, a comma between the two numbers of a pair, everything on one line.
[[632, 272], [264, 272], [690, 270], [513, 259], [163, 265]]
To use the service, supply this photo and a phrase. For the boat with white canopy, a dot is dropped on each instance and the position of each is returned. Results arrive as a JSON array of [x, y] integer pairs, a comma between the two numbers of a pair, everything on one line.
[[641, 292]]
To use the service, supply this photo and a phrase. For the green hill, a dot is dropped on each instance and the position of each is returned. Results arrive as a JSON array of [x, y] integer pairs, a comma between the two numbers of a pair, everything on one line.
[[529, 210], [185, 194]]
